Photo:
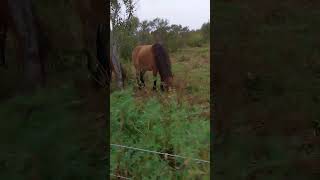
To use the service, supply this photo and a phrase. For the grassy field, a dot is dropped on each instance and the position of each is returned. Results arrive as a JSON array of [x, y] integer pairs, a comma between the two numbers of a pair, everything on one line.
[[176, 122]]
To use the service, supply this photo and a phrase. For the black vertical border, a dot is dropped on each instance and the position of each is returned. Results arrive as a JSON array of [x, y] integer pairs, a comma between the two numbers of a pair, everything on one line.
[[108, 96], [212, 92]]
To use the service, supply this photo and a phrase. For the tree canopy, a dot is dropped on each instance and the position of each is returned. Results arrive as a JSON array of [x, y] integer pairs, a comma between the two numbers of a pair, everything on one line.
[[128, 31]]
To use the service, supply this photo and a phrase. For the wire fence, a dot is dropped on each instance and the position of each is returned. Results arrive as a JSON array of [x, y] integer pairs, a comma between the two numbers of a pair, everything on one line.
[[165, 154], [150, 151], [155, 152], [122, 177]]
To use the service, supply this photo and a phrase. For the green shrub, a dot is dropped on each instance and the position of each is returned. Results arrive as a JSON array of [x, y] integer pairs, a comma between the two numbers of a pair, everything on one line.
[[195, 40]]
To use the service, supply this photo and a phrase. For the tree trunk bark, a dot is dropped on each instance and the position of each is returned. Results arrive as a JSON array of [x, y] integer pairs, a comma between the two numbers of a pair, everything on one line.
[[115, 61]]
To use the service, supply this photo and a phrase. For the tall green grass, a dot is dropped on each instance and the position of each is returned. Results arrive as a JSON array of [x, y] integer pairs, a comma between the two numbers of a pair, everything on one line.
[[157, 123]]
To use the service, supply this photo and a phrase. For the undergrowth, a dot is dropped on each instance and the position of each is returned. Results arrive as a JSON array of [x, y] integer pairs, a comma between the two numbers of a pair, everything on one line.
[[160, 126], [165, 122]]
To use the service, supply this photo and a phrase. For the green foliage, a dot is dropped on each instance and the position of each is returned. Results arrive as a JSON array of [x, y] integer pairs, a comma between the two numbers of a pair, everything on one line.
[[144, 31], [132, 32], [195, 39], [205, 31], [157, 124], [165, 123], [124, 26], [128, 41]]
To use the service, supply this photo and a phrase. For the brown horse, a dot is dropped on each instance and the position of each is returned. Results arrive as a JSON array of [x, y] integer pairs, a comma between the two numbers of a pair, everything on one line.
[[152, 58]]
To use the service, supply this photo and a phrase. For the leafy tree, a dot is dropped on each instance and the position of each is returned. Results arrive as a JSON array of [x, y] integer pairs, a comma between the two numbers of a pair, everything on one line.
[[128, 31], [124, 26], [205, 31], [161, 28], [144, 31]]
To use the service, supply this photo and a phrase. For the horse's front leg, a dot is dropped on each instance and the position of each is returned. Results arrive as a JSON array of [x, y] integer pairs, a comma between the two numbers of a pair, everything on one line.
[[154, 80], [141, 78], [162, 86], [138, 79]]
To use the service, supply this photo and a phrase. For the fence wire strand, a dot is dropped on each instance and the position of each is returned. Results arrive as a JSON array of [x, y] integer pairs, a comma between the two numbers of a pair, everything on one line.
[[122, 177], [156, 152]]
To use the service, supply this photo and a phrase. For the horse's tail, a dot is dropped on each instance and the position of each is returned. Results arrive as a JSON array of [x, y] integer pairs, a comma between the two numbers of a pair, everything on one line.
[[162, 61]]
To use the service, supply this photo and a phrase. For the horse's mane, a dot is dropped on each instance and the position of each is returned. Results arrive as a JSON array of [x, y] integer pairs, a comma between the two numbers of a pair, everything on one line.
[[162, 60]]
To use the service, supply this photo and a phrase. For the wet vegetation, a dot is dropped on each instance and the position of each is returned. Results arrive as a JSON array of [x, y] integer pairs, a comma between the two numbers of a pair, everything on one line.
[[176, 122]]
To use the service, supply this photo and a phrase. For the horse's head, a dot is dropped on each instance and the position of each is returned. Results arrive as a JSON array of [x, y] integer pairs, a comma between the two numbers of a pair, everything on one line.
[[168, 83]]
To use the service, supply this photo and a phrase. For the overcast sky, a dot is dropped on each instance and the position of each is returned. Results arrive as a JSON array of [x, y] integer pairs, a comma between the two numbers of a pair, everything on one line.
[[191, 13]]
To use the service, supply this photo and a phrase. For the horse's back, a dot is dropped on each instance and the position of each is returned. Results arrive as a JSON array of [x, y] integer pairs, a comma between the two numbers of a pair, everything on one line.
[[143, 57], [135, 52], [145, 52]]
